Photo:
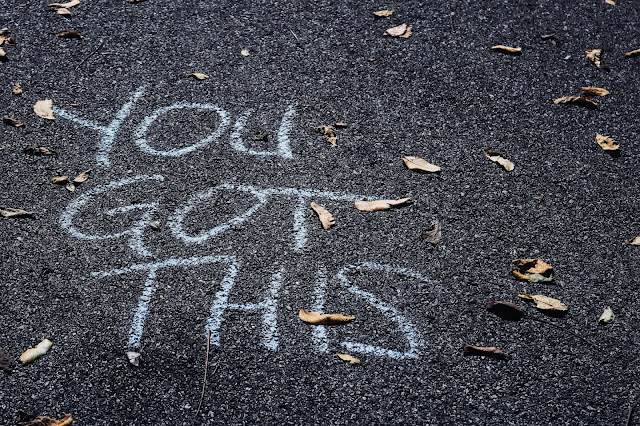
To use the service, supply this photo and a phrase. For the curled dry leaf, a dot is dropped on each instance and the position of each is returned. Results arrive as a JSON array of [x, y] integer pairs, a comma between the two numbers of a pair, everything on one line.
[[593, 55], [63, 12], [82, 177], [33, 420], [417, 163], [38, 150], [44, 109], [6, 362], [402, 31], [532, 270], [32, 354], [317, 318], [349, 358], [607, 316], [325, 217], [329, 132], [17, 89], [545, 303], [633, 53], [69, 34], [498, 158], [383, 13], [198, 76], [633, 241], [489, 351], [11, 212], [547, 36], [13, 122], [578, 100], [506, 310], [59, 179], [607, 143], [433, 235], [595, 91], [67, 5], [507, 49], [377, 205]]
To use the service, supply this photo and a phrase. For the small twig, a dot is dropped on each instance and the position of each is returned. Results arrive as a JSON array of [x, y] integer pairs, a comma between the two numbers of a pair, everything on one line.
[[91, 54], [558, 326], [629, 415], [294, 34], [206, 367]]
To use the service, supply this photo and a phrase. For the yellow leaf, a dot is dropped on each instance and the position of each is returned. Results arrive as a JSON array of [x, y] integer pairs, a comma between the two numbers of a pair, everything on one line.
[[578, 100], [496, 157], [67, 5], [44, 109], [607, 143], [377, 205], [325, 217], [545, 303], [507, 49], [349, 358], [317, 318], [198, 76], [383, 13], [417, 163], [593, 55], [595, 91], [32, 354]]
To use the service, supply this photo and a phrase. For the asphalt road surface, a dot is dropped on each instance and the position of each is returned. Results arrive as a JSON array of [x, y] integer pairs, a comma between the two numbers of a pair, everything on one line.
[[226, 168]]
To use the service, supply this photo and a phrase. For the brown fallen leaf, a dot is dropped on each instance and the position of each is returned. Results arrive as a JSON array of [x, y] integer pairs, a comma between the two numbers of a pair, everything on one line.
[[329, 132], [595, 91], [198, 75], [11, 212], [64, 12], [59, 179], [633, 53], [67, 5], [377, 205], [506, 310], [578, 100], [433, 235], [69, 34], [593, 55], [402, 31], [39, 150], [13, 122], [44, 109], [383, 13], [33, 420], [6, 362], [325, 217], [317, 318], [498, 158], [545, 303], [607, 143], [17, 89], [507, 49], [633, 241], [82, 177], [349, 358], [489, 351], [532, 270], [417, 163]]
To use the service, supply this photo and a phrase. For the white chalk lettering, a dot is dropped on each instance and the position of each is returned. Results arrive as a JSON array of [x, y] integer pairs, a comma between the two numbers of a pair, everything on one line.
[[283, 149]]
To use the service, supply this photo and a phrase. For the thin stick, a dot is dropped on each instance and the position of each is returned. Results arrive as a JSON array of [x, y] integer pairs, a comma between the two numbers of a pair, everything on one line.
[[558, 326], [630, 414], [206, 367], [91, 54], [294, 34]]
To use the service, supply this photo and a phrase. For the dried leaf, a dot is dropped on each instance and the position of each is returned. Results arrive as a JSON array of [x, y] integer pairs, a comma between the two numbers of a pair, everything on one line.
[[38, 150], [60, 179], [155, 225], [32, 354], [607, 316], [3, 54], [10, 121], [10, 212], [578, 100], [532, 270], [607, 143], [594, 55], [32, 420], [69, 34], [82, 177], [417, 163], [244, 52], [134, 358], [545, 303], [496, 157], [63, 12], [595, 91], [198, 75], [507, 49], [349, 358], [44, 109], [135, 1], [402, 31], [506, 310], [611, 2], [490, 351], [633, 241], [384, 13], [317, 318], [340, 125], [67, 5], [17, 89], [325, 217], [433, 235], [547, 36], [633, 53], [329, 133], [6, 362], [377, 205], [70, 187]]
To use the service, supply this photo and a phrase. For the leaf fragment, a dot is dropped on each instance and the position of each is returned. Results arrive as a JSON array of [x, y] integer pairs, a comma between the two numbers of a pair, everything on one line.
[[32, 354], [340, 125], [67, 5], [59, 179], [506, 310], [611, 2], [488, 351], [433, 235], [44, 109], [82, 177], [633, 241], [316, 318], [135, 1], [607, 143], [33, 420], [532, 270], [11, 212], [578, 100], [244, 52], [417, 163], [329, 132], [326, 218], [595, 91], [198, 76], [545, 303], [607, 316], [500, 159], [69, 34], [377, 205], [383, 13], [593, 55], [507, 49], [38, 150], [402, 31], [63, 12], [3, 54], [632, 53], [547, 36], [13, 122], [349, 358]]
